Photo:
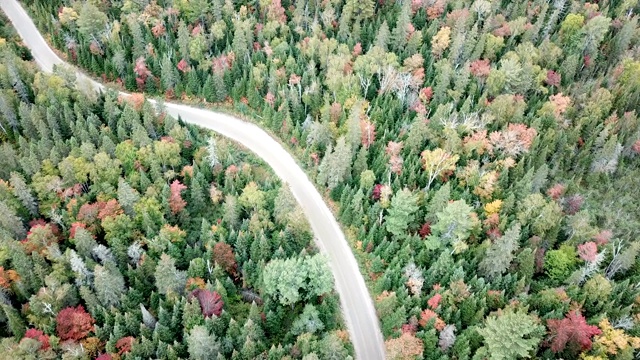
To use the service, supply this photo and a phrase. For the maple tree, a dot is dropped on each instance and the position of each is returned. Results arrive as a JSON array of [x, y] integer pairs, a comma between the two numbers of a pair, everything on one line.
[[73, 323], [588, 251], [210, 302], [224, 256], [407, 346], [368, 130], [480, 68], [38, 335], [124, 344], [571, 333], [176, 203], [427, 315]]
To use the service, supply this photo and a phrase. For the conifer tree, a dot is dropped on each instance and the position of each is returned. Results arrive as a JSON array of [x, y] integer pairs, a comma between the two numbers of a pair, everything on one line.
[[501, 253]]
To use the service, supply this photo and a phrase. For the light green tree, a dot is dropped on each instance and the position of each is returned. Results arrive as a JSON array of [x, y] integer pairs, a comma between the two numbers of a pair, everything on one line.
[[168, 278], [455, 224], [509, 335], [320, 279], [284, 280], [109, 284], [92, 21], [500, 254], [252, 197], [401, 212], [308, 322], [201, 344]]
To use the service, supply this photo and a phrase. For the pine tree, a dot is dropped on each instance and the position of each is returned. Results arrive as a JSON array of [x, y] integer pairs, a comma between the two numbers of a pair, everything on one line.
[[401, 213], [400, 33], [336, 164], [10, 222], [501, 253], [15, 323], [22, 192], [127, 197], [168, 278], [109, 284], [168, 73]]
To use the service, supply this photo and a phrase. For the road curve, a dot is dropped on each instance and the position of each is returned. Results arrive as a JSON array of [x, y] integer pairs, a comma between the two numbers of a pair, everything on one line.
[[357, 305]]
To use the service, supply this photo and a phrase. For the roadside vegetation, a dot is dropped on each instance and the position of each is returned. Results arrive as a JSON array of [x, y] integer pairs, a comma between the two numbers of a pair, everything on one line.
[[125, 234]]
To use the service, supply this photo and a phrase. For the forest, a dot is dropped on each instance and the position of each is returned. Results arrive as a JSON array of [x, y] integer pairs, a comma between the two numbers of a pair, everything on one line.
[[125, 234], [482, 157]]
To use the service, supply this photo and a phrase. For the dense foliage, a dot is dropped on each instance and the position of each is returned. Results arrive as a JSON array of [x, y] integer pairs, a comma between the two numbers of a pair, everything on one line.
[[483, 154], [127, 235]]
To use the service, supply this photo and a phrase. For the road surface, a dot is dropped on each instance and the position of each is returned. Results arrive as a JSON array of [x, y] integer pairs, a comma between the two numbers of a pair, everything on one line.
[[357, 305]]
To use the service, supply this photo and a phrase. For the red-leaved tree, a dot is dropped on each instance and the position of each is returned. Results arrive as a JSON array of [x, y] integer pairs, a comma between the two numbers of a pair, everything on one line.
[[124, 345], [368, 130], [73, 323], [223, 255], [210, 302], [571, 333], [38, 335], [176, 203]]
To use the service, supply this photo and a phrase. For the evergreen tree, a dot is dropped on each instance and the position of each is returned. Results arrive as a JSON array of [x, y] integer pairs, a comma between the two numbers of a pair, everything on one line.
[[401, 213]]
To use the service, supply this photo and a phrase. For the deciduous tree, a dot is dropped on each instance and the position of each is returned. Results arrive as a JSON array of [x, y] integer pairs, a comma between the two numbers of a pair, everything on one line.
[[436, 163], [571, 333], [73, 323], [511, 334]]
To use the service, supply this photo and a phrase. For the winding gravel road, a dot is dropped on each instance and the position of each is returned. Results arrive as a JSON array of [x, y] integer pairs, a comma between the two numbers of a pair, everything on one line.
[[356, 303]]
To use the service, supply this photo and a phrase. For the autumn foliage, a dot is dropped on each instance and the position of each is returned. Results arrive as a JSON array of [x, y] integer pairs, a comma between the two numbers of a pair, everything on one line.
[[572, 333], [210, 302], [407, 346], [176, 203], [223, 256], [427, 315], [8, 277], [38, 335], [124, 345], [73, 323]]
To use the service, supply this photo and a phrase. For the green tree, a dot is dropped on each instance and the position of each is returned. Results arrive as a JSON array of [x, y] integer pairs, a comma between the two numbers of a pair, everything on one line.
[[201, 344], [513, 334], [109, 284], [91, 21], [401, 213], [168, 278], [454, 226], [285, 279], [500, 254], [336, 164]]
